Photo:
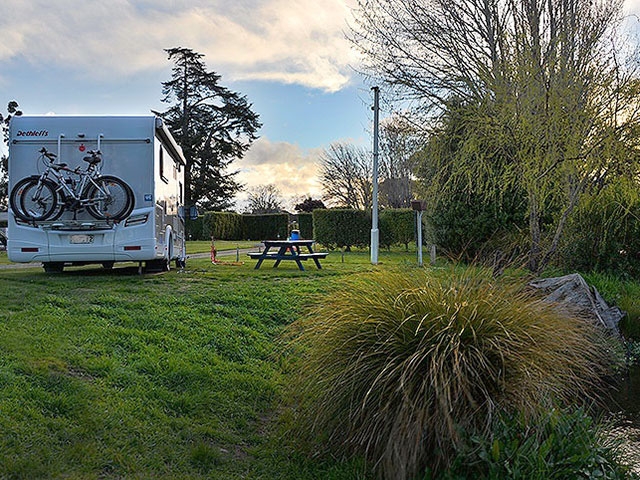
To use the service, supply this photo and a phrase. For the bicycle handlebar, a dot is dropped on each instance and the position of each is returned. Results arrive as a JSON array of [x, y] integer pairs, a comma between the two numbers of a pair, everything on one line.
[[51, 156]]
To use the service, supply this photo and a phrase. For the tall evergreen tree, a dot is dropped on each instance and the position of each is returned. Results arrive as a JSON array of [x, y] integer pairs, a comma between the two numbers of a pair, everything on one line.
[[212, 124]]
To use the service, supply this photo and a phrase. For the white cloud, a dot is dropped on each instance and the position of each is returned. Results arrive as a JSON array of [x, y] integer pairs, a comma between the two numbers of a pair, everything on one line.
[[290, 41], [632, 7], [293, 170]]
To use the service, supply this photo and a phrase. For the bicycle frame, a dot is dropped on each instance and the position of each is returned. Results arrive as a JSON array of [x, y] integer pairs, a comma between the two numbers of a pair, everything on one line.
[[72, 197]]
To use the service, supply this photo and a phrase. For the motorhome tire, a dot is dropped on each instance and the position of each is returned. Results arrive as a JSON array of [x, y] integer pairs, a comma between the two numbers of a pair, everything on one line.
[[53, 267], [155, 266]]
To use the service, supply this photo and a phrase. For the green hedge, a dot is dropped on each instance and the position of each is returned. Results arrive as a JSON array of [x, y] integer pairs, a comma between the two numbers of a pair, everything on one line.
[[397, 226], [233, 226], [337, 228], [223, 225], [262, 227], [195, 229], [305, 224]]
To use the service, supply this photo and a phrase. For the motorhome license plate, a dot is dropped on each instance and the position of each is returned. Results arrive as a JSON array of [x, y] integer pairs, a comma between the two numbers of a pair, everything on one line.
[[81, 239]]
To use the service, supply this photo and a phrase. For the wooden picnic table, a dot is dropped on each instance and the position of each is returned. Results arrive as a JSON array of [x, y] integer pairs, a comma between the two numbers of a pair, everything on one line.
[[280, 250]]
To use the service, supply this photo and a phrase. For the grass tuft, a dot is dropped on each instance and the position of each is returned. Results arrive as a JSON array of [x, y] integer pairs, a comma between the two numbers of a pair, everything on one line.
[[396, 364]]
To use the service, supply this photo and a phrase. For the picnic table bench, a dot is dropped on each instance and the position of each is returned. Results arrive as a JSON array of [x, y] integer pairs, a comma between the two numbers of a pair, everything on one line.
[[287, 250]]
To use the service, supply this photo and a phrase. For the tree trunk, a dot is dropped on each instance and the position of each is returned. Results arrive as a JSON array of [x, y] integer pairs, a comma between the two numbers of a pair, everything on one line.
[[534, 228]]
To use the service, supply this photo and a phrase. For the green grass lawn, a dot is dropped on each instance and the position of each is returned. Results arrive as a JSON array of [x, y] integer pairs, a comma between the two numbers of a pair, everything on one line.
[[110, 374], [177, 375]]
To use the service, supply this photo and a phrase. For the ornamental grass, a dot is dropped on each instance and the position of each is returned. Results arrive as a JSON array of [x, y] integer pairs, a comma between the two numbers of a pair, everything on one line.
[[397, 365]]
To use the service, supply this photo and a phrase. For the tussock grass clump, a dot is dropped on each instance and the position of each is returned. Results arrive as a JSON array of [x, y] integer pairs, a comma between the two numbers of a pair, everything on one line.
[[398, 364]]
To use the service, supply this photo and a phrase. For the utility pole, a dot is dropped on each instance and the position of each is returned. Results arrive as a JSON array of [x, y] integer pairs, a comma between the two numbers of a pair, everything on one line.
[[375, 234]]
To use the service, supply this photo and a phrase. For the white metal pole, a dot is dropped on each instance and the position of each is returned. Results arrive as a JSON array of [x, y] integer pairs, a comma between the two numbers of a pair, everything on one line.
[[375, 234], [419, 226]]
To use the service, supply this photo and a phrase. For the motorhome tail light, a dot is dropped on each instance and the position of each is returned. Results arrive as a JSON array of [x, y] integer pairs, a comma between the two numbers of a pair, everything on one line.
[[132, 247], [136, 220], [29, 249]]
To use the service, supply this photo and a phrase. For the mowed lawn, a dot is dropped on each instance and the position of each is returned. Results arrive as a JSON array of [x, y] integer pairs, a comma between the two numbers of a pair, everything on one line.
[[110, 374]]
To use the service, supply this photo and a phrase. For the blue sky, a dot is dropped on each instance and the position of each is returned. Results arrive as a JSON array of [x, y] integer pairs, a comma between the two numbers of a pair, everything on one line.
[[290, 57]]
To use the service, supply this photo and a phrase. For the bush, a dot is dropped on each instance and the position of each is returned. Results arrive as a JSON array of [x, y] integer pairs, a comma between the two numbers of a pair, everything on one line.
[[397, 226], [604, 231], [305, 223], [338, 228], [195, 229], [465, 224], [397, 364], [223, 225], [267, 226], [557, 445]]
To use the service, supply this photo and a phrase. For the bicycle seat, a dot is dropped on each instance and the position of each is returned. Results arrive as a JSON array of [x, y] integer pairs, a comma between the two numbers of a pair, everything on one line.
[[92, 160], [59, 166]]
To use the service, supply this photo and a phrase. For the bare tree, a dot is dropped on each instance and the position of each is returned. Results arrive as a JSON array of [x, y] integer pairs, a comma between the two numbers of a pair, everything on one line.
[[399, 141], [345, 174], [265, 199], [542, 82]]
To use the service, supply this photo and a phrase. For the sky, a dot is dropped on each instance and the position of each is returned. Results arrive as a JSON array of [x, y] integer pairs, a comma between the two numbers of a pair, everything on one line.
[[289, 57]]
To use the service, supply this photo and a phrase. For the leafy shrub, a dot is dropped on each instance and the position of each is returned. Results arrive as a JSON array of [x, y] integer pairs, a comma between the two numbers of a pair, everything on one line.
[[267, 226], [195, 229], [337, 228], [305, 223], [397, 226], [466, 225], [223, 225], [397, 364], [604, 231], [556, 445]]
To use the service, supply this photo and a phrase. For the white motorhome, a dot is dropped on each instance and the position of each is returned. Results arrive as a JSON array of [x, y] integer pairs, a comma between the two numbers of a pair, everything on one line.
[[136, 149]]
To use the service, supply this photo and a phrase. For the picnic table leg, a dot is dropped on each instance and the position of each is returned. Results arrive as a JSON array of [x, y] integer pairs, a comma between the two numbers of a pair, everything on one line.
[[281, 252], [296, 251], [316, 260], [261, 258]]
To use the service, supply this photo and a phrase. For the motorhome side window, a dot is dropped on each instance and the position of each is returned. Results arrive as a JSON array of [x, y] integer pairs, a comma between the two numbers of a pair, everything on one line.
[[162, 175]]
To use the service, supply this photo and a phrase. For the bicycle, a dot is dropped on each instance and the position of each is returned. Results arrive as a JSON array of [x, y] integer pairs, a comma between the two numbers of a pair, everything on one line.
[[47, 196]]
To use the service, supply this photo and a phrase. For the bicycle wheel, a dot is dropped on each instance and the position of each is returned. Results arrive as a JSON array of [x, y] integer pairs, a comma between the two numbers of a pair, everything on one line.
[[14, 197], [38, 199], [109, 198]]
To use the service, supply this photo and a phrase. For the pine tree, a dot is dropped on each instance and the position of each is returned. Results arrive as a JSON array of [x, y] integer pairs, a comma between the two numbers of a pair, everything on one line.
[[212, 124]]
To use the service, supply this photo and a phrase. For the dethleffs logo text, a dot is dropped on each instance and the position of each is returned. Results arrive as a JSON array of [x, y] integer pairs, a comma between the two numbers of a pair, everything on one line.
[[32, 133]]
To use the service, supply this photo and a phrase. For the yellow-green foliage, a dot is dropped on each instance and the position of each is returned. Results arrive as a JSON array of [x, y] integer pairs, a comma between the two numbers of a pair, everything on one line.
[[397, 363]]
